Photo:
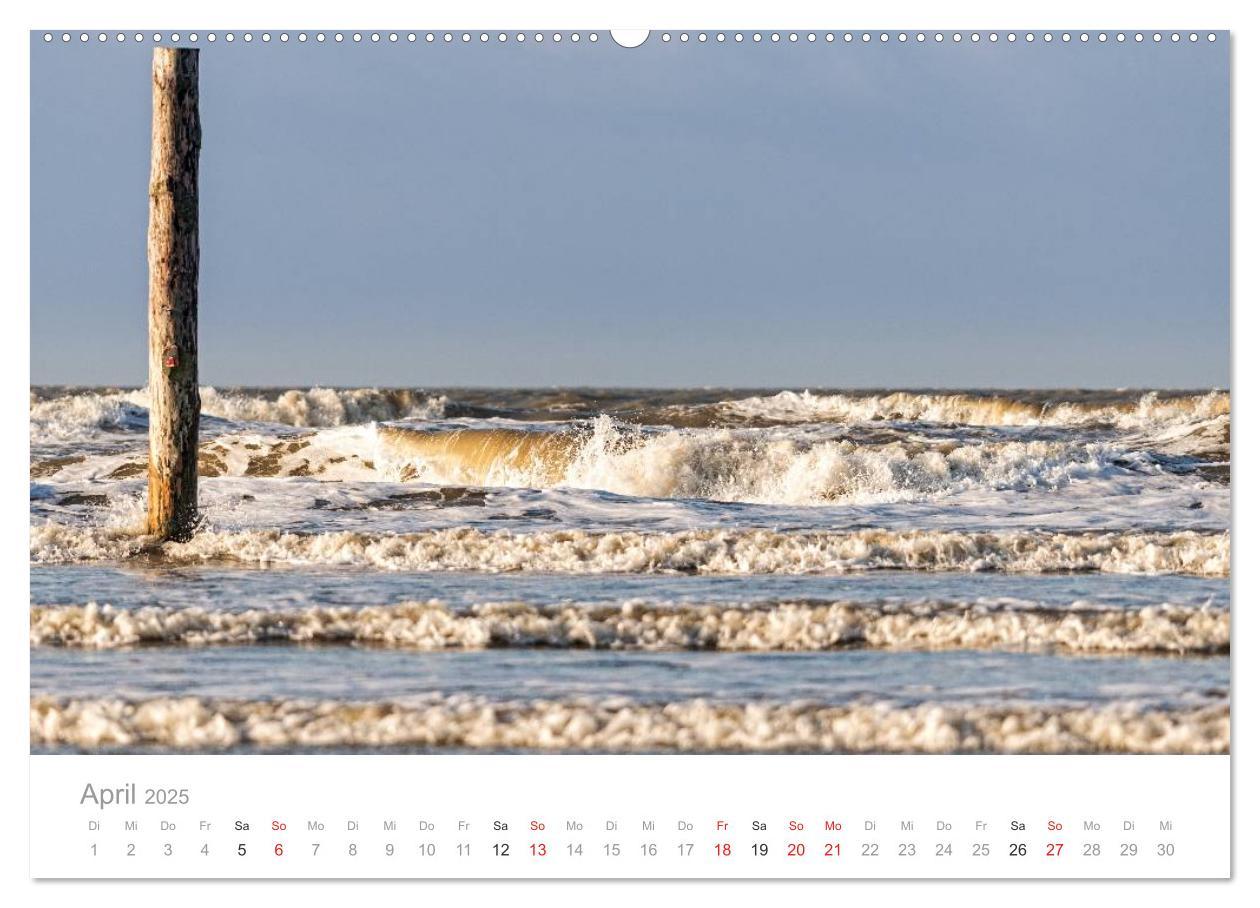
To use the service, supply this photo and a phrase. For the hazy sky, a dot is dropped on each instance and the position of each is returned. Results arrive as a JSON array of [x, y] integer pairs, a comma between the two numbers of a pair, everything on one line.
[[794, 215]]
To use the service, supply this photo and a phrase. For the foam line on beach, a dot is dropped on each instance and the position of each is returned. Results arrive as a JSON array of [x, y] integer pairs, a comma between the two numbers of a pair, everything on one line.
[[1164, 629], [620, 726], [753, 551]]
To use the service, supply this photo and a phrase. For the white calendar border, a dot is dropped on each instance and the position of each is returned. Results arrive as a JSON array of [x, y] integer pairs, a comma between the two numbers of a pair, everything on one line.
[[1076, 14], [685, 808]]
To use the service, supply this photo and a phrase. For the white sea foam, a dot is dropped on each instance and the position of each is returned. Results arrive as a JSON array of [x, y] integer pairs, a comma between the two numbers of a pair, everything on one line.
[[688, 551], [623, 725], [434, 625], [337, 455]]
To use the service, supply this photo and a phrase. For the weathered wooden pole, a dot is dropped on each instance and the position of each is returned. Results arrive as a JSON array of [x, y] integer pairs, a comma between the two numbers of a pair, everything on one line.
[[174, 402]]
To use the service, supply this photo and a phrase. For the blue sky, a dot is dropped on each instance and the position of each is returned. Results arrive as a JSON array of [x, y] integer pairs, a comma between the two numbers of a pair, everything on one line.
[[826, 215]]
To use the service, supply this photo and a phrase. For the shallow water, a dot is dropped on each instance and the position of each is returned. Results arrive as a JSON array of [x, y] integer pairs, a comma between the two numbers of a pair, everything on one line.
[[281, 586], [334, 673]]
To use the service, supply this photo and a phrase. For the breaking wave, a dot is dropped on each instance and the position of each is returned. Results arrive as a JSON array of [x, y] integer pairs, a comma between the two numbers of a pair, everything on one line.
[[729, 465], [718, 465], [73, 415], [752, 551], [1165, 629], [621, 725], [980, 410]]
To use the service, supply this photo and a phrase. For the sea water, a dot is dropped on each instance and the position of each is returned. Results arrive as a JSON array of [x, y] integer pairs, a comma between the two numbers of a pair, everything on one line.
[[731, 570]]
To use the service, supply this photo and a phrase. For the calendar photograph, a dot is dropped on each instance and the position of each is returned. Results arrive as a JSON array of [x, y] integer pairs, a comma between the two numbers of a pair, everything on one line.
[[619, 393]]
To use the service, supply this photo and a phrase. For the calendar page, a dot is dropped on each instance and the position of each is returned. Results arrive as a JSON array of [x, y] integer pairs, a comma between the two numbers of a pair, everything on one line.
[[561, 452]]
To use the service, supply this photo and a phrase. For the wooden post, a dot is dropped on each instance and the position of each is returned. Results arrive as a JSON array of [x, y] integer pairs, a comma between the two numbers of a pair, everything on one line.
[[174, 401]]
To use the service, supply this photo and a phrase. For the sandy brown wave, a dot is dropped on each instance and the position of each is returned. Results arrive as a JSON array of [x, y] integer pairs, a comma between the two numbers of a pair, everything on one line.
[[485, 456]]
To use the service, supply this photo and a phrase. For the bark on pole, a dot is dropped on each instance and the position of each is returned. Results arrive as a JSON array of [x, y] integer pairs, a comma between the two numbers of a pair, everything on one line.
[[174, 402]]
